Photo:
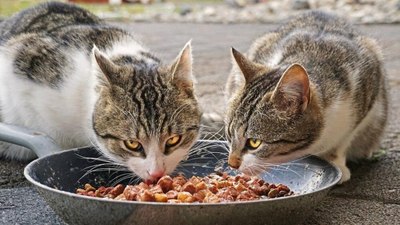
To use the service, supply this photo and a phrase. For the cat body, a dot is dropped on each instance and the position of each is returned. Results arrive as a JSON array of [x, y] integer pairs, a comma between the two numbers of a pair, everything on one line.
[[68, 74], [313, 86]]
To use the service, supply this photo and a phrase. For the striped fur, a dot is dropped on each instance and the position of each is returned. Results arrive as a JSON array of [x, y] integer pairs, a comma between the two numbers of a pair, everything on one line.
[[336, 106], [54, 80]]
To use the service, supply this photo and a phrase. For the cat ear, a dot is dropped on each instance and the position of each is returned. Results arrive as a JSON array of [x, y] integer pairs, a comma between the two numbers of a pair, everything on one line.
[[292, 93], [109, 69], [249, 69], [181, 68]]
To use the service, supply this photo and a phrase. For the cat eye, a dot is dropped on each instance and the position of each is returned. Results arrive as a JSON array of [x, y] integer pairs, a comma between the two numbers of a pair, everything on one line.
[[253, 143], [174, 140], [133, 145]]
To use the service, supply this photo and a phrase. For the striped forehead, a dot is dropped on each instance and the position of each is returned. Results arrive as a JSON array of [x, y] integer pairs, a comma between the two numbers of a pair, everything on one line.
[[151, 93]]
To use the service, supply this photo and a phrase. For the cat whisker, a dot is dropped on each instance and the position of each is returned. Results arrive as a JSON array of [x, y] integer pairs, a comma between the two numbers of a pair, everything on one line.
[[134, 180], [208, 135], [118, 179], [278, 167]]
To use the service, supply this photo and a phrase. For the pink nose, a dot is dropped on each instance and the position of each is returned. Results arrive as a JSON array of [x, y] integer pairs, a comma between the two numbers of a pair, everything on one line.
[[157, 174]]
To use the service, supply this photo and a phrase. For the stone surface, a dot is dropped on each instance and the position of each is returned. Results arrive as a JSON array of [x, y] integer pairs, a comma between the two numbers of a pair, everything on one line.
[[372, 195], [266, 11], [25, 206], [335, 211]]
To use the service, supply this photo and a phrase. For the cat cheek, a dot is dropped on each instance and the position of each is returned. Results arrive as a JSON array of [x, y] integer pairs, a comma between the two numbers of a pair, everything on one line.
[[172, 160], [139, 166]]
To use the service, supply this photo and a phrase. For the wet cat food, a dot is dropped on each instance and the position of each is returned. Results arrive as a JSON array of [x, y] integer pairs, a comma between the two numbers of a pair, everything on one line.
[[213, 188]]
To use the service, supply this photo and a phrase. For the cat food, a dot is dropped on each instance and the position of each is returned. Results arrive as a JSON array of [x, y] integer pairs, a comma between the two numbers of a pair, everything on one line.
[[214, 188]]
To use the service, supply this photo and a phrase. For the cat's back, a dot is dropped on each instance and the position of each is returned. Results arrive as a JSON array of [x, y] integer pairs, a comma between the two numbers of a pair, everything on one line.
[[342, 63], [40, 43], [319, 23], [46, 17]]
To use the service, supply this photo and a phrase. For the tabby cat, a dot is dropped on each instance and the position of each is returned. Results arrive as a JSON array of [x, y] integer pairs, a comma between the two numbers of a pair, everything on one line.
[[66, 73], [313, 86]]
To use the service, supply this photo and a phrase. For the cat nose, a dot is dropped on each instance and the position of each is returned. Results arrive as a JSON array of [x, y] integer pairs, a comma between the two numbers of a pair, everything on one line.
[[234, 161], [157, 174]]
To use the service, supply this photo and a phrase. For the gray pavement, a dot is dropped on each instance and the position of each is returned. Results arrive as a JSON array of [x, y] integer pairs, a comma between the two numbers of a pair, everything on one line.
[[372, 196]]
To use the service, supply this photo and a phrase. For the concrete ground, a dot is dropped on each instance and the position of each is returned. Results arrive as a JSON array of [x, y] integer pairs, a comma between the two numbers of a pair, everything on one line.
[[372, 196]]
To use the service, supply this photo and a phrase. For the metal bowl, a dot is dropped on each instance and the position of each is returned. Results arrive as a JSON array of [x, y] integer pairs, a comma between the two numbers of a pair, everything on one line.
[[57, 177]]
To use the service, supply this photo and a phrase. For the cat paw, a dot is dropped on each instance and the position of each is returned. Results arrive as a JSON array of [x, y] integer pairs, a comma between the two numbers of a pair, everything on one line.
[[346, 174]]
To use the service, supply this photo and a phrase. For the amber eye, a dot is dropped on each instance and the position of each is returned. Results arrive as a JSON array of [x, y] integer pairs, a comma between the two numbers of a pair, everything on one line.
[[133, 145], [253, 143], [174, 140]]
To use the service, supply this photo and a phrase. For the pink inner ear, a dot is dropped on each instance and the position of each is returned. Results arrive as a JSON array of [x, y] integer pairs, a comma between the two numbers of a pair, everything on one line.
[[182, 68], [295, 79], [294, 87]]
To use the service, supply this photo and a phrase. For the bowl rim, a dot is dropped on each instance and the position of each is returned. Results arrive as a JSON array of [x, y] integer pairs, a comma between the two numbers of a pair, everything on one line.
[[28, 169]]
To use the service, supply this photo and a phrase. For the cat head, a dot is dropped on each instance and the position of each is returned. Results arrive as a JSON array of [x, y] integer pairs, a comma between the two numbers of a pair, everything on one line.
[[147, 116], [274, 117]]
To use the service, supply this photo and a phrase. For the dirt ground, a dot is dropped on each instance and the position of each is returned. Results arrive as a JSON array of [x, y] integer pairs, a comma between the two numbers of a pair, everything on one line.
[[371, 197]]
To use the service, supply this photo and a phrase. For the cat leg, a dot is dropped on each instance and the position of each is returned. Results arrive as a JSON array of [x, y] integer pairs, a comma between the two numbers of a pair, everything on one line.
[[362, 141], [368, 133], [338, 158], [11, 151]]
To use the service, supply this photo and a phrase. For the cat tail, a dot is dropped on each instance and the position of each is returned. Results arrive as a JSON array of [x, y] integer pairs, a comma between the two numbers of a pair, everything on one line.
[[212, 126]]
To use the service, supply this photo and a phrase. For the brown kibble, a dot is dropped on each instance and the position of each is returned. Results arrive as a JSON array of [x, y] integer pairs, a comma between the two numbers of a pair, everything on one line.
[[131, 192], [102, 191], [190, 199], [282, 187], [143, 185], [97, 193], [172, 194], [120, 197], [89, 187], [80, 191], [212, 188], [273, 193], [194, 180], [156, 189], [200, 195], [281, 193], [201, 186], [145, 196], [182, 196], [165, 183], [119, 189], [160, 197], [181, 180], [239, 187], [177, 187], [222, 184], [231, 191], [211, 198], [189, 187], [244, 196]]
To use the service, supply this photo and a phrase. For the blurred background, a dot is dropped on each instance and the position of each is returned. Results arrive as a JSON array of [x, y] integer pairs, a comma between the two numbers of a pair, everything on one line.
[[224, 11]]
